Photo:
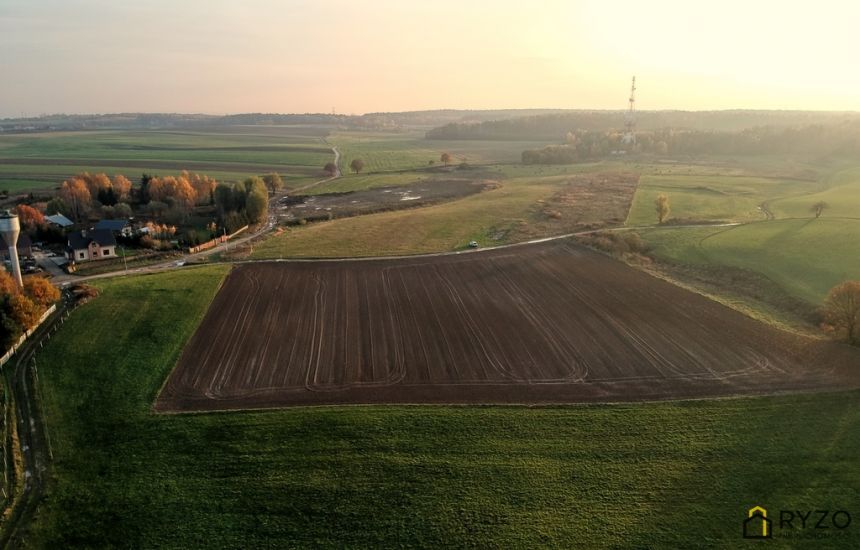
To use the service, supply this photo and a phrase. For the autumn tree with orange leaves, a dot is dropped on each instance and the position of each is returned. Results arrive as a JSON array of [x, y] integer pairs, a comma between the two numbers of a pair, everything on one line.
[[172, 189], [29, 217], [41, 291], [77, 197], [21, 310], [7, 283], [203, 186], [122, 187]]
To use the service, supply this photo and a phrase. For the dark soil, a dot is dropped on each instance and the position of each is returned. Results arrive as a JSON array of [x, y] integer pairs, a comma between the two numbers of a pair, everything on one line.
[[291, 209], [546, 323]]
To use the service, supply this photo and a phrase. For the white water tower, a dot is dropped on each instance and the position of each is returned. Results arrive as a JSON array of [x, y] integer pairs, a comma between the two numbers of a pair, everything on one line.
[[10, 228]]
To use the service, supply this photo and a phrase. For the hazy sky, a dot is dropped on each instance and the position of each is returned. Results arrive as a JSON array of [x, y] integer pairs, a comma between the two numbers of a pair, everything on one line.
[[218, 56]]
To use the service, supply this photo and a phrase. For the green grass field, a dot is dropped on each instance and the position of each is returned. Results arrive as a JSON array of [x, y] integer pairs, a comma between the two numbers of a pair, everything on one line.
[[358, 182], [718, 198], [841, 193], [803, 256], [384, 152], [661, 475], [31, 161]]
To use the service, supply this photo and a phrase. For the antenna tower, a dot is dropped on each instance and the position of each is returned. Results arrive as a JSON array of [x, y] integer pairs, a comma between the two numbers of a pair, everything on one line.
[[630, 116]]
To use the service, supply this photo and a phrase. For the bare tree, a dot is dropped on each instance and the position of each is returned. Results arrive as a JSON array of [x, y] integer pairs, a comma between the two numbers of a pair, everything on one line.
[[661, 205], [446, 158], [330, 168], [818, 208], [842, 310]]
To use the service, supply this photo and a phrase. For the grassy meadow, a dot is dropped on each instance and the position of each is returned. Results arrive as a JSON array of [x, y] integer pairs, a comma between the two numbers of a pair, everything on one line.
[[659, 475], [711, 198], [362, 181], [806, 257], [840, 190], [44, 160], [385, 152], [803, 256], [512, 212]]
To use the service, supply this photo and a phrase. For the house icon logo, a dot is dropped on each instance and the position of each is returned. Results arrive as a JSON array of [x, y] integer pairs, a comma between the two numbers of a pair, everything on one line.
[[757, 526]]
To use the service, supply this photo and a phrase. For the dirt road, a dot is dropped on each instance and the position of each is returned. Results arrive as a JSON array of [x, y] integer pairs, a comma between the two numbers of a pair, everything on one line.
[[21, 379]]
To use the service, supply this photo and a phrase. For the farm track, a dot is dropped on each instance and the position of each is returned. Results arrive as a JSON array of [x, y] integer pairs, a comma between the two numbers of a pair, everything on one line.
[[542, 323], [21, 380]]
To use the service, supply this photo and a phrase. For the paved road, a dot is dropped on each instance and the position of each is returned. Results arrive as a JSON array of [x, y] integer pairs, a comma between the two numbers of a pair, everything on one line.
[[176, 264]]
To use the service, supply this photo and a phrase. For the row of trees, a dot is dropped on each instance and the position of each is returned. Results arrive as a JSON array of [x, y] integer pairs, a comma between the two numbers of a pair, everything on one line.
[[183, 191], [838, 139], [78, 194], [552, 126], [21, 310], [85, 193]]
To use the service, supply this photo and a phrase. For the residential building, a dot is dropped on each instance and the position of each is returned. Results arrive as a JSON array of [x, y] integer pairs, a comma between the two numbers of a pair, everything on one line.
[[95, 244]]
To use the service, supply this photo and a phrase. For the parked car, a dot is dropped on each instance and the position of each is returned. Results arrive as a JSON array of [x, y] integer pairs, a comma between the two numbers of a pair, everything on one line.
[[473, 244]]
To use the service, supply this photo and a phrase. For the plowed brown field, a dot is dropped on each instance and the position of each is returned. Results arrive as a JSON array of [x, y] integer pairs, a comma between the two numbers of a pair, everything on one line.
[[540, 323]]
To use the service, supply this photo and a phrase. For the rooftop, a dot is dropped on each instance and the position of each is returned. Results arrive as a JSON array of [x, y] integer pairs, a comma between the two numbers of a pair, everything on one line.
[[112, 225], [82, 239], [59, 219]]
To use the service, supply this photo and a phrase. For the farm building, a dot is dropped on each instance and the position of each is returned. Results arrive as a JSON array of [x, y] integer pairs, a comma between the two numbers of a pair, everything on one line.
[[96, 244], [59, 220], [117, 227]]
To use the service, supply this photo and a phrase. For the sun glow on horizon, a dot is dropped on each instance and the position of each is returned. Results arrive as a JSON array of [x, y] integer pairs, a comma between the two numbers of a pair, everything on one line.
[[295, 56]]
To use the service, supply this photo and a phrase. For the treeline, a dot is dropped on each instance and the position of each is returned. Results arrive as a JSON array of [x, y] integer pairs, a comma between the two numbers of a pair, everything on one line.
[[392, 120], [503, 124], [86, 195], [554, 126], [835, 139], [183, 191], [20, 310], [184, 200]]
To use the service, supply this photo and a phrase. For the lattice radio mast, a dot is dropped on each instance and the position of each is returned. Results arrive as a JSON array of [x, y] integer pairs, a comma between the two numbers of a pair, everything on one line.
[[630, 117]]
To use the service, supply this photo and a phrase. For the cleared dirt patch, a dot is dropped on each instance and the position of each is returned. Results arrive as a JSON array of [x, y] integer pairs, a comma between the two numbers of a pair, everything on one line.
[[584, 201], [550, 322]]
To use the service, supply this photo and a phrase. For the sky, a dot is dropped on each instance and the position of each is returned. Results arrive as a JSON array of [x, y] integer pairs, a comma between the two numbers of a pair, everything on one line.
[[232, 56]]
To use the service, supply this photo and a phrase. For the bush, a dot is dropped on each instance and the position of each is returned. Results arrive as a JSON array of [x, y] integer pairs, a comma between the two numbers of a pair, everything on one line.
[[617, 243]]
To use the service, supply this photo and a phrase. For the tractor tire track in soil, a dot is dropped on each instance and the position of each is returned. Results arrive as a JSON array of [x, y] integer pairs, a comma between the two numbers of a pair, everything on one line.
[[544, 323]]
